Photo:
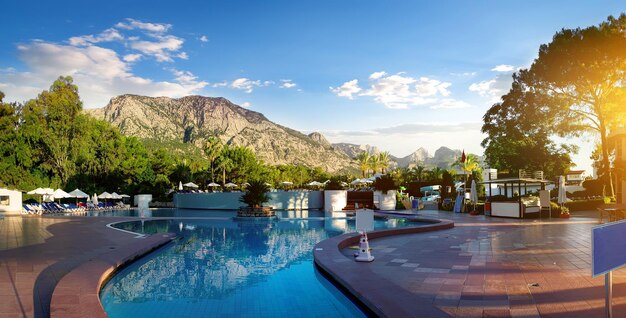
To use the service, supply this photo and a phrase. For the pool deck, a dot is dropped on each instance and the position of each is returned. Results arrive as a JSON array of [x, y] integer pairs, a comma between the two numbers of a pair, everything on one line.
[[66, 256], [483, 267]]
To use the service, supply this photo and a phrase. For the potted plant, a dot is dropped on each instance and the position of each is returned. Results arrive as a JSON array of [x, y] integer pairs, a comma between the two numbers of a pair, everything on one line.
[[385, 193], [564, 212], [335, 195], [254, 197]]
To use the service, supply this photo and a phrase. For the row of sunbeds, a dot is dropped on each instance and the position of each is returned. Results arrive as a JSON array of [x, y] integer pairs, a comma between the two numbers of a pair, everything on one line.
[[57, 208]]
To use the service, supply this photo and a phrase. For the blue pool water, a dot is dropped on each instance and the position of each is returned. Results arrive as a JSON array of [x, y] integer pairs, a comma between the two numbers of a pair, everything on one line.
[[232, 268]]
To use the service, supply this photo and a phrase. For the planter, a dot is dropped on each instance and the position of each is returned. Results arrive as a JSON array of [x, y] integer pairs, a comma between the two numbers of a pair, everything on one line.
[[247, 212], [386, 202], [564, 216], [335, 200]]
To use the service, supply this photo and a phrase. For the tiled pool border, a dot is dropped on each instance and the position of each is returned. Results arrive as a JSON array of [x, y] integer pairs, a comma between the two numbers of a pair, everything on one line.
[[328, 257], [78, 292]]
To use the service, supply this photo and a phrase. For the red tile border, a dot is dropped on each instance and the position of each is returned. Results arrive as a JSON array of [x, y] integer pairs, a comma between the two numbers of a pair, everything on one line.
[[78, 292], [358, 280]]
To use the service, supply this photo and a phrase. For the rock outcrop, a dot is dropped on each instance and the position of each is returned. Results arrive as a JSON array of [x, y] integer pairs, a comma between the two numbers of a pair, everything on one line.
[[192, 119]]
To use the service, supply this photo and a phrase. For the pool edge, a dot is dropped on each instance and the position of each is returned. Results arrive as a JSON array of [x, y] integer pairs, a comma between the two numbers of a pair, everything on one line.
[[78, 293], [329, 259]]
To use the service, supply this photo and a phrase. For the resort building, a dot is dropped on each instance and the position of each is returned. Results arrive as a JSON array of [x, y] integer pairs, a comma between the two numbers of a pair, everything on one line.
[[10, 201]]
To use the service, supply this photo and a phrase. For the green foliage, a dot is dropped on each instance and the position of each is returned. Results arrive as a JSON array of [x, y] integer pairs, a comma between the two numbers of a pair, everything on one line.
[[255, 194], [573, 87], [385, 184], [334, 184]]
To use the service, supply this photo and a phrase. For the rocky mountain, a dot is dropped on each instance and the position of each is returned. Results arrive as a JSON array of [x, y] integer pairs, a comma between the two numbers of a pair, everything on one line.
[[352, 150], [443, 157], [192, 119], [418, 157]]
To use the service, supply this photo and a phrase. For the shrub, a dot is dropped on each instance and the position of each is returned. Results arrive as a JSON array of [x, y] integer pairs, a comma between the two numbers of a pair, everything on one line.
[[385, 184], [334, 184], [256, 194]]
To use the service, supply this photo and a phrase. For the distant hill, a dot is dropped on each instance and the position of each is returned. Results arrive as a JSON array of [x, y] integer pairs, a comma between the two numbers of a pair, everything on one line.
[[443, 157], [180, 123]]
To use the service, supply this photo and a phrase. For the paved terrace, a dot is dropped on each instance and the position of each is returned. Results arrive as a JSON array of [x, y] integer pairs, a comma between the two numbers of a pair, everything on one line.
[[36, 254], [484, 267]]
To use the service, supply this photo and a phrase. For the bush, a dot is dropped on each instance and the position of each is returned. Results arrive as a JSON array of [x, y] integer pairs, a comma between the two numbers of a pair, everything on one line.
[[385, 184], [334, 184], [256, 194]]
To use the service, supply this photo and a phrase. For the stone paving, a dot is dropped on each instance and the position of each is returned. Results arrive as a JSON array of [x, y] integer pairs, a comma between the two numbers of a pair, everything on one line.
[[37, 252], [489, 267], [483, 267]]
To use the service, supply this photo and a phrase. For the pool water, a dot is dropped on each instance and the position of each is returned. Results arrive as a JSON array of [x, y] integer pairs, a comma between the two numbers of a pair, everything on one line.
[[232, 268]]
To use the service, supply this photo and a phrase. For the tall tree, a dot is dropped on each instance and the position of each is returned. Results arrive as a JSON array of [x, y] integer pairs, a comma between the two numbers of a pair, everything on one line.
[[581, 74], [363, 159], [212, 148], [384, 160], [61, 104]]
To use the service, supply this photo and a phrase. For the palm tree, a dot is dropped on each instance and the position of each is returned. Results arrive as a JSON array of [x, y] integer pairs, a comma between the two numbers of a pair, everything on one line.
[[363, 159], [212, 149], [374, 163], [384, 159], [226, 164], [436, 174], [469, 166]]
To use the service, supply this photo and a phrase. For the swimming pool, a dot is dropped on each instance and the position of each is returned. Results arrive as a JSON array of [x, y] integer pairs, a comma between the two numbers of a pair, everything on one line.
[[232, 268]]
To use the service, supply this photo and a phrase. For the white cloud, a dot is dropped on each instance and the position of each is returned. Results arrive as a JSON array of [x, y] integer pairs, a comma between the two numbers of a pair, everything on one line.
[[347, 89], [132, 57], [287, 84], [160, 49], [450, 103], [429, 87], [464, 74], [399, 91], [107, 35], [132, 24], [494, 88], [245, 84], [377, 75], [99, 73], [246, 105], [220, 84], [204, 39], [503, 68], [183, 55]]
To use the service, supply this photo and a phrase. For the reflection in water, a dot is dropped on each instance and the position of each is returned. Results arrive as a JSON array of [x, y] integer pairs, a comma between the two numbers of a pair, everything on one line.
[[221, 262]]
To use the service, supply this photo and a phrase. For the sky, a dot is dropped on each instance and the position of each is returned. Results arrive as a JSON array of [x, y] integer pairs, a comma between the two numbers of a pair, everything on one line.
[[398, 75]]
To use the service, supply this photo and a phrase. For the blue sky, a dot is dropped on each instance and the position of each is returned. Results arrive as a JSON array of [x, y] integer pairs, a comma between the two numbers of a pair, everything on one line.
[[397, 75]]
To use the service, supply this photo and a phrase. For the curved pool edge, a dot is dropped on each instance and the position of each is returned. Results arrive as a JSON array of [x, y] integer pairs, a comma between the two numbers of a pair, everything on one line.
[[358, 280], [78, 292]]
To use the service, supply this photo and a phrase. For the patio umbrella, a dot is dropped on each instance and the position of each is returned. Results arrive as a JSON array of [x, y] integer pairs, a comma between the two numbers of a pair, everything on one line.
[[60, 194], [79, 195], [287, 182], [314, 184], [473, 194], [46, 193], [124, 195], [562, 196], [180, 186], [357, 181], [94, 199], [213, 184], [230, 185], [35, 191], [115, 196], [190, 185], [105, 195]]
